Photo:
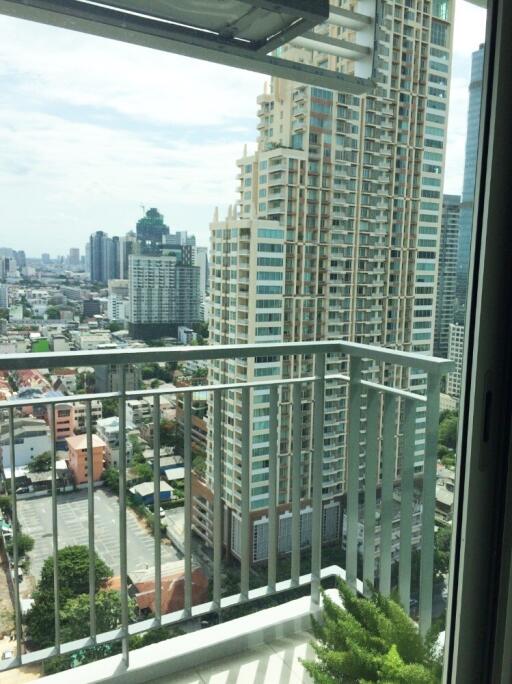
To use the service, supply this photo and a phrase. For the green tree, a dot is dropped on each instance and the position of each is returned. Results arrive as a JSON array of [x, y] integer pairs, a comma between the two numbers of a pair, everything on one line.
[[110, 477], [74, 615], [442, 545], [115, 326], [40, 463], [143, 471], [448, 431], [5, 505], [25, 544], [169, 434], [370, 640], [52, 313], [109, 407], [73, 574]]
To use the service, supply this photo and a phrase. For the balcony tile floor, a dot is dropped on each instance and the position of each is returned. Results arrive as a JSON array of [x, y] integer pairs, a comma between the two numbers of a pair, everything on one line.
[[273, 663]]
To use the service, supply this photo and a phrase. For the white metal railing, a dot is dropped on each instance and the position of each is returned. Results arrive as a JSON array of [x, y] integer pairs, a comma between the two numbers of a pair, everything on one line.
[[378, 403]]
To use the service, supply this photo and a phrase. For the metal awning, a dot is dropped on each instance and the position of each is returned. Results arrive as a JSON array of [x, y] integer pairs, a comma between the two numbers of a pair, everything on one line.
[[238, 33]]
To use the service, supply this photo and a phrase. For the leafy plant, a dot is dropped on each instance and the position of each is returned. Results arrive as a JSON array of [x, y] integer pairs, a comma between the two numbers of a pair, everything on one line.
[[40, 463], [370, 640]]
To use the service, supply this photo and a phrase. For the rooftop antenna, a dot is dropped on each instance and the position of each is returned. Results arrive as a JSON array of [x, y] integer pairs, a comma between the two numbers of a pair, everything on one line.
[[143, 209]]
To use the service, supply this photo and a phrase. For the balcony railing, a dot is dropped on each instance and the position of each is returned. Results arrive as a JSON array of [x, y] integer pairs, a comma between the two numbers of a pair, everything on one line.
[[382, 432]]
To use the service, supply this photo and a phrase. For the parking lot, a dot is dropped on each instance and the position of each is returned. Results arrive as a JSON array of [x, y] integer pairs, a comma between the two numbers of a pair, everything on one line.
[[35, 516]]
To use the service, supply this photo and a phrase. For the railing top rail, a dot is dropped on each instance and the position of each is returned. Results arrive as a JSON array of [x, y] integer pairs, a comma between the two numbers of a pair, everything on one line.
[[28, 361]]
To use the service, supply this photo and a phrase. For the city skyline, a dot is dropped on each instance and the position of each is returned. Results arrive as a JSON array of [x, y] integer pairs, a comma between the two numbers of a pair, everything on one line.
[[102, 126]]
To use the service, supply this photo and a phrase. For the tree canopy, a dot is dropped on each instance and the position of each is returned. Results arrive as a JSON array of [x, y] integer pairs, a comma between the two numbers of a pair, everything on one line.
[[40, 463], [370, 640], [448, 429], [73, 574]]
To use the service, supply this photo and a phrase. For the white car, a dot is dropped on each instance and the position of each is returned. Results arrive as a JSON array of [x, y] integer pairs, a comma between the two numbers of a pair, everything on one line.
[[7, 655]]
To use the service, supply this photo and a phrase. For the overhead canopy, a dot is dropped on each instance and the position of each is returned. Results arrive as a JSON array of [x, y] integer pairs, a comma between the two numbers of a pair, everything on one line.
[[239, 33]]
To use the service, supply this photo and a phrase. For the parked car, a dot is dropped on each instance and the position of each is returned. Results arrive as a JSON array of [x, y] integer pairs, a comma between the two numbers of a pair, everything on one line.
[[7, 655]]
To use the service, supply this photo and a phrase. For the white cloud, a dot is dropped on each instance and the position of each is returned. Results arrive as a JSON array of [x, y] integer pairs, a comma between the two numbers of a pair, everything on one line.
[[92, 128]]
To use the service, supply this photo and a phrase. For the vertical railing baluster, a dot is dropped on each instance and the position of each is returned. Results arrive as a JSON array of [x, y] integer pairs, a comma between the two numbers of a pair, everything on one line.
[[121, 372], [14, 520], [406, 503], [296, 480], [317, 473], [245, 545], [429, 501], [55, 533], [370, 487], [273, 490], [90, 513], [386, 505], [156, 515], [354, 437], [217, 498], [187, 448]]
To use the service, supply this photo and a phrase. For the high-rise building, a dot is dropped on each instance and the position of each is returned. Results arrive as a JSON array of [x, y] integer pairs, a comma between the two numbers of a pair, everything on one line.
[[74, 256], [99, 256], [468, 188], [164, 294], [335, 236], [447, 273], [126, 247], [202, 262], [180, 238], [4, 296], [104, 257], [114, 261], [151, 229], [456, 354]]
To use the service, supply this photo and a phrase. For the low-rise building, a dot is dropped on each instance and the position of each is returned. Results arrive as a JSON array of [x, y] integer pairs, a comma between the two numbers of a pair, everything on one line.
[[138, 411], [108, 430], [145, 492], [78, 461], [31, 439], [142, 588], [80, 415]]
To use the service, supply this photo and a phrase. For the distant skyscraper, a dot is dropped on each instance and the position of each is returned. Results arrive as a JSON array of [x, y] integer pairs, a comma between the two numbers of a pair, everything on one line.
[[179, 238], [74, 256], [447, 273], [99, 257], [126, 247], [104, 257], [45, 258], [456, 354], [114, 271], [164, 293], [202, 262], [151, 229], [4, 296], [468, 190]]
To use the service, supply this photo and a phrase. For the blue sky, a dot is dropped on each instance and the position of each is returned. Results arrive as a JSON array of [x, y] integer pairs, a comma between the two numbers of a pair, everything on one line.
[[90, 129]]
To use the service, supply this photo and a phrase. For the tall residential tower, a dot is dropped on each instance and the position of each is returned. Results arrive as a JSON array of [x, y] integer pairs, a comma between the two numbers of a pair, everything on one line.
[[335, 236], [447, 273], [468, 188]]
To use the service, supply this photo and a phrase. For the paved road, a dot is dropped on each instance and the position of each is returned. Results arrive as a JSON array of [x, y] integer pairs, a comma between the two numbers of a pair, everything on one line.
[[36, 519]]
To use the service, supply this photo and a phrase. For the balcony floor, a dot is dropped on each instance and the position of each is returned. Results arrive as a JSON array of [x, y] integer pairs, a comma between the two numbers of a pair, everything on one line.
[[274, 663]]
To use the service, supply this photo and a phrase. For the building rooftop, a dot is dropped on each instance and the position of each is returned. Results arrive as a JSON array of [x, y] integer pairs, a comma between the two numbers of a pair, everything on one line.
[[147, 488], [79, 442]]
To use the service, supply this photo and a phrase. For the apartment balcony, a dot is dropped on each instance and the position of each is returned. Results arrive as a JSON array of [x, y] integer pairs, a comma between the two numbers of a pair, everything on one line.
[[382, 420]]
